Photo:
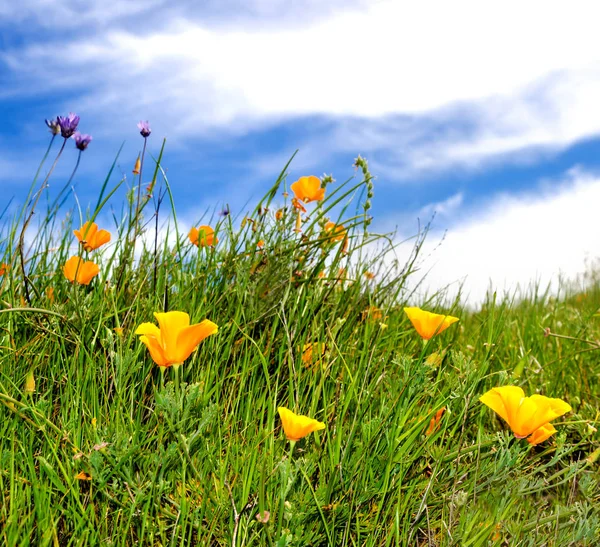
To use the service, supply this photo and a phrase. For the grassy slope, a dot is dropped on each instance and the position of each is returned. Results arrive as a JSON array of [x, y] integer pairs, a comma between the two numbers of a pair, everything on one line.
[[169, 456]]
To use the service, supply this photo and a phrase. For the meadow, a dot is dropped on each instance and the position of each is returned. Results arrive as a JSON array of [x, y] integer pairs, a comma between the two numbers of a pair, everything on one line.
[[122, 427]]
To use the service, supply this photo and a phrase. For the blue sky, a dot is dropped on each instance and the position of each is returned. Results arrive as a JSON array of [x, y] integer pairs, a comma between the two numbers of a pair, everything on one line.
[[486, 115]]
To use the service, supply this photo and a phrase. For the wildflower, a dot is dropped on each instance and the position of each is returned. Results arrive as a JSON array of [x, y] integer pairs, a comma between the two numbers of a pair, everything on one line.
[[203, 236], [75, 269], [297, 204], [263, 517], [372, 313], [526, 416], [260, 244], [81, 140], [225, 211], [435, 421], [370, 275], [54, 126], [279, 214], [173, 341], [137, 167], [296, 426], [68, 124], [144, 128], [90, 237], [30, 382], [308, 352], [83, 476], [428, 324], [4, 267], [308, 189], [335, 232], [50, 294], [298, 227], [119, 331]]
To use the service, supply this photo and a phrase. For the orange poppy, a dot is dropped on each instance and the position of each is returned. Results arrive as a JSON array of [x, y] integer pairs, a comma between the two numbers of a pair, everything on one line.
[[308, 189], [526, 416], [203, 236], [428, 324], [173, 341], [335, 232], [4, 267], [435, 421], [296, 426], [90, 237], [75, 269]]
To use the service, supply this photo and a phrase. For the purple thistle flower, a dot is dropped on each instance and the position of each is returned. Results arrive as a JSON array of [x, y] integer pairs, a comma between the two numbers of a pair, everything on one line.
[[82, 140], [68, 124], [54, 126], [144, 128]]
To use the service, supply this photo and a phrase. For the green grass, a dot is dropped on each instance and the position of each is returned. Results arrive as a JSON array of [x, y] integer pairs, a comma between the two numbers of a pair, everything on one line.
[[190, 457]]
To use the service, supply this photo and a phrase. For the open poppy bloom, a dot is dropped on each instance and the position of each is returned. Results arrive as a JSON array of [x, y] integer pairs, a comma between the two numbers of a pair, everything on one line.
[[296, 426], [335, 232], [203, 236], [428, 324], [90, 237], [308, 189], [526, 416], [75, 269], [173, 341]]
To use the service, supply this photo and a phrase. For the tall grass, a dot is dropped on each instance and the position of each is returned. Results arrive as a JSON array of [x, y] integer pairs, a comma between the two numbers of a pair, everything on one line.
[[108, 449]]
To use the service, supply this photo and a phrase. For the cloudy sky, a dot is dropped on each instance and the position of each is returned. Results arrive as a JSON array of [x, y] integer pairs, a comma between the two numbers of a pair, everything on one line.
[[484, 113]]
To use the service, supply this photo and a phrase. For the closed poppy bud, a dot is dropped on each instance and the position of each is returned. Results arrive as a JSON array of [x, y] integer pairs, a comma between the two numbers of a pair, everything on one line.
[[137, 166], [435, 421], [298, 227], [279, 214], [30, 382]]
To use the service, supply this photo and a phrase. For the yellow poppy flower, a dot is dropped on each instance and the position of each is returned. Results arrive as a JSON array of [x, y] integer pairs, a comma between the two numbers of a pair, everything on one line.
[[308, 189], [173, 341], [203, 236], [525, 415], [334, 232], [296, 426], [75, 269], [428, 324], [90, 237]]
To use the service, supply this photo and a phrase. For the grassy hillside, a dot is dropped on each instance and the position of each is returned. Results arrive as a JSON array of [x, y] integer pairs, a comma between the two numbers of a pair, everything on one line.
[[101, 446]]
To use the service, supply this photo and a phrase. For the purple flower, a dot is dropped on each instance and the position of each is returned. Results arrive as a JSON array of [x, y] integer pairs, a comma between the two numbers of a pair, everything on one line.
[[68, 124], [144, 128], [54, 126], [224, 212], [82, 140]]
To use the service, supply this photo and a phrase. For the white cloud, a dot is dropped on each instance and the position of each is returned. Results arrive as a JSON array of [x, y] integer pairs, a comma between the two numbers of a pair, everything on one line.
[[516, 239], [499, 78]]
